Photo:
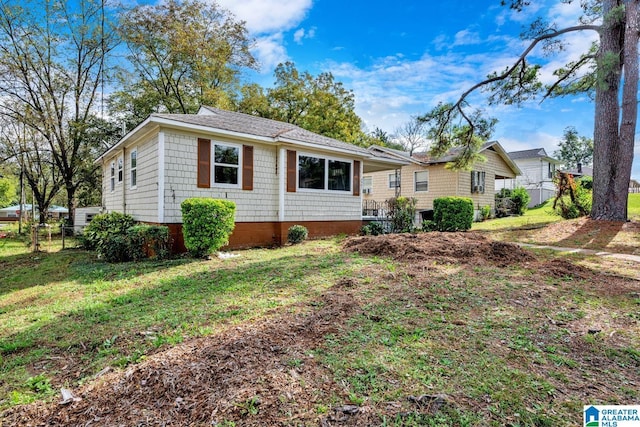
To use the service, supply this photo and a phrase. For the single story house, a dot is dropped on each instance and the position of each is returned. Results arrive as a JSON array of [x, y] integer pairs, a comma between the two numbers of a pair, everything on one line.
[[278, 174], [426, 178], [538, 170], [12, 213]]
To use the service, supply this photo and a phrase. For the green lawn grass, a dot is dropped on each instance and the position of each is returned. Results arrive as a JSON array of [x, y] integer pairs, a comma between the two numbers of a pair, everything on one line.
[[541, 215], [484, 336]]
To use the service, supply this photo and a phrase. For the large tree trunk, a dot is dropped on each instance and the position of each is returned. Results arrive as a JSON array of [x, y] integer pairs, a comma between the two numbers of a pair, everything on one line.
[[614, 129]]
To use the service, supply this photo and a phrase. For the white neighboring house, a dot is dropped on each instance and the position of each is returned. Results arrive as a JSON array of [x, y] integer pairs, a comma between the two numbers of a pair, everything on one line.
[[278, 174], [84, 215], [538, 169]]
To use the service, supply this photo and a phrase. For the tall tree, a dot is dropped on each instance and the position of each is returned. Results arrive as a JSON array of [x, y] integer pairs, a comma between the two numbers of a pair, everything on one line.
[[52, 59], [319, 104], [574, 149], [183, 55], [26, 148], [610, 69], [412, 134]]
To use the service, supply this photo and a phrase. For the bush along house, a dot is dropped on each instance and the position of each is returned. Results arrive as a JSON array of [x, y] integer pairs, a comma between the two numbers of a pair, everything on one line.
[[278, 174]]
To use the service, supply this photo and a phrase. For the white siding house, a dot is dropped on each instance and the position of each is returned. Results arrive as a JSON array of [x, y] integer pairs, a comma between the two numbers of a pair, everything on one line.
[[277, 174], [538, 170]]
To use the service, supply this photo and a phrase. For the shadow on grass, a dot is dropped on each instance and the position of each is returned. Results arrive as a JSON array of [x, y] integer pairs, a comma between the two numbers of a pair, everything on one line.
[[595, 235], [166, 311], [27, 270]]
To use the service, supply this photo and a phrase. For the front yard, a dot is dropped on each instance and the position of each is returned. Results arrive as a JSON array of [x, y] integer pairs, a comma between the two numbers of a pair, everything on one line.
[[436, 330]]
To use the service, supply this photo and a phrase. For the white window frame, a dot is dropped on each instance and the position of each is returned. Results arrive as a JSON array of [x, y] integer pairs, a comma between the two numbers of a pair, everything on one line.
[[213, 165], [120, 170], [325, 188], [133, 170], [112, 177], [392, 179], [367, 188], [415, 181]]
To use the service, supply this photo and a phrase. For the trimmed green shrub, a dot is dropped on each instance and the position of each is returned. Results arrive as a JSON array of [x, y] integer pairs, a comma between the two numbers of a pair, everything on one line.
[[297, 234], [453, 213], [520, 199], [401, 214], [374, 228], [116, 238], [429, 225], [115, 248], [485, 212], [206, 224], [104, 225], [149, 241]]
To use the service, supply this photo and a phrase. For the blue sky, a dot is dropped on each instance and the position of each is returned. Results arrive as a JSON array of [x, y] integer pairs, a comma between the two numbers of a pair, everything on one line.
[[402, 58]]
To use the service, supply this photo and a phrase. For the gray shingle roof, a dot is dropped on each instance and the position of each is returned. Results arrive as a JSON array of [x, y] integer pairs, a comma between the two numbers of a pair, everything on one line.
[[528, 154], [258, 126]]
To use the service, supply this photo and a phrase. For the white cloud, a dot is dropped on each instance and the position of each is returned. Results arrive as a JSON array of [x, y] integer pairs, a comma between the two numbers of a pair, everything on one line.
[[298, 36], [270, 51], [267, 20], [466, 37], [301, 34], [268, 16]]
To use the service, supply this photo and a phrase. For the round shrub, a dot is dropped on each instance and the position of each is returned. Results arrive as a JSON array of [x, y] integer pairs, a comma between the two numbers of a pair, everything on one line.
[[520, 199], [297, 234], [374, 228], [206, 224], [104, 225], [453, 213]]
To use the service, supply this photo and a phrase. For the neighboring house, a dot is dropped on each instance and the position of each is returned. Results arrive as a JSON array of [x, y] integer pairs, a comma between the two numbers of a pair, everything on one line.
[[278, 174], [538, 169], [580, 171], [84, 215], [12, 213], [426, 178]]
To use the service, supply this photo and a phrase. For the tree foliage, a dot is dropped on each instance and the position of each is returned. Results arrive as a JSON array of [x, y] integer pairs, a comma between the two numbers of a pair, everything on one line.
[[52, 59], [574, 149], [8, 190], [319, 104], [183, 54], [608, 71]]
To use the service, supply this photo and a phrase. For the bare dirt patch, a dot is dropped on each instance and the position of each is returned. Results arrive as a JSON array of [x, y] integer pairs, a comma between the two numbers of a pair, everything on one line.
[[466, 248]]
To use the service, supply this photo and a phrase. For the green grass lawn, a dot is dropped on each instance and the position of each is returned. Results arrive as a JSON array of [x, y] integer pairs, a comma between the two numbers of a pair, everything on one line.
[[634, 207], [507, 345], [541, 215]]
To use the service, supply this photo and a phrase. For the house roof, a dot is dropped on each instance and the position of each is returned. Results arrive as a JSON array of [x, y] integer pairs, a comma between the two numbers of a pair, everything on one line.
[[28, 207], [584, 171], [426, 159], [215, 120], [536, 153]]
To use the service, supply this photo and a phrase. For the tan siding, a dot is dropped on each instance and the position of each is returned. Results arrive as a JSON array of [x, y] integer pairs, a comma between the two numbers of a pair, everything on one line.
[[442, 182]]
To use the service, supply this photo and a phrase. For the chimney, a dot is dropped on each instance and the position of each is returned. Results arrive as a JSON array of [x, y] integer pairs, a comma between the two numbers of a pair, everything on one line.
[[579, 167]]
